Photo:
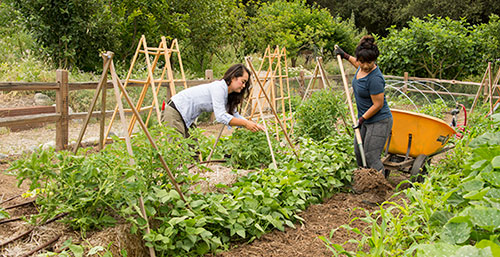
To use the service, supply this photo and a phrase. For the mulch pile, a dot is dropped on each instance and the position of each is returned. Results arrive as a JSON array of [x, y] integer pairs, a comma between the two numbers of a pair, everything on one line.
[[372, 185]]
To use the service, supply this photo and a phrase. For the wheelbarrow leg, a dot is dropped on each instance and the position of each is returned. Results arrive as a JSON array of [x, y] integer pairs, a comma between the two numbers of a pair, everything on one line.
[[387, 171], [418, 169], [409, 147]]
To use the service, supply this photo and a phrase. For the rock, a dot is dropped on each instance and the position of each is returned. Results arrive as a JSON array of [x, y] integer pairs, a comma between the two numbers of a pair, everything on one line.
[[91, 141], [49, 145], [3, 156], [42, 100]]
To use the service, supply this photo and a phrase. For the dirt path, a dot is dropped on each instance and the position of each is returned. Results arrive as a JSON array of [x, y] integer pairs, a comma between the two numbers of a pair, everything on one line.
[[319, 220]]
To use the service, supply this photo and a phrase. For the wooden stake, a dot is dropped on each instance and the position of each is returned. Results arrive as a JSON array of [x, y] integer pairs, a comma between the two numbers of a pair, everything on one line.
[[249, 63], [148, 135], [107, 57], [488, 70], [215, 144], [267, 134]]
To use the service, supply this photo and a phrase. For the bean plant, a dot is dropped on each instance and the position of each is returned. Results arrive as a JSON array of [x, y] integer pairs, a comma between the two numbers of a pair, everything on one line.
[[94, 190], [320, 116]]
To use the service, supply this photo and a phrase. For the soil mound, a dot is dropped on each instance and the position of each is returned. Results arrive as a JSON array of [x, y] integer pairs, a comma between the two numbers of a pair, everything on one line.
[[372, 185]]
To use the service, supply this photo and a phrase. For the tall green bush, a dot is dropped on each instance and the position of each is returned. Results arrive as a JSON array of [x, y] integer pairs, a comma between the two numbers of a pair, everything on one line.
[[318, 116], [71, 33], [432, 47], [298, 27], [488, 37]]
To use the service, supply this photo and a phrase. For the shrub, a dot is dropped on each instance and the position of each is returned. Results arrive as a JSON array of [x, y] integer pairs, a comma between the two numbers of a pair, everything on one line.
[[317, 116], [250, 150], [431, 47]]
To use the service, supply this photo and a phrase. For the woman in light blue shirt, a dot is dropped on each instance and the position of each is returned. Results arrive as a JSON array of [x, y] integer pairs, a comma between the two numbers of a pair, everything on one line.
[[221, 97]]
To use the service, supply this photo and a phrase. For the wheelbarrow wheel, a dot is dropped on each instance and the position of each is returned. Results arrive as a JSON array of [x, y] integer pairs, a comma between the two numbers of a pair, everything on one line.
[[418, 170]]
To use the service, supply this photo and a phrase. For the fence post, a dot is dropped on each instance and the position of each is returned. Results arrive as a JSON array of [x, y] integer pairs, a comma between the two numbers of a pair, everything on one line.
[[302, 84], [209, 74], [102, 122], [405, 85], [62, 109]]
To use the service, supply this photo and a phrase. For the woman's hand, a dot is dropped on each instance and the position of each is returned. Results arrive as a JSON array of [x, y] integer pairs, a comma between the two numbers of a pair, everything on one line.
[[254, 127]]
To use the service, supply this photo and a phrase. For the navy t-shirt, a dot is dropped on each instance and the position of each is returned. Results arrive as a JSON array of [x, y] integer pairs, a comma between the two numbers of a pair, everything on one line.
[[371, 84]]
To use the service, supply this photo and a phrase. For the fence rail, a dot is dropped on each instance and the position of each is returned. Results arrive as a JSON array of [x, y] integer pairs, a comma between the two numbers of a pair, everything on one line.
[[62, 87]]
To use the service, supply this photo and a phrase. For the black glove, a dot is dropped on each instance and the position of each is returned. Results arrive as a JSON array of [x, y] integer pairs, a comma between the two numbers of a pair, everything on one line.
[[360, 121], [339, 51]]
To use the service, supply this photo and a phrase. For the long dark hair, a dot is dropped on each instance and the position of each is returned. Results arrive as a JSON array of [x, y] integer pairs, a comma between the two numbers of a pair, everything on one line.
[[367, 49], [235, 98]]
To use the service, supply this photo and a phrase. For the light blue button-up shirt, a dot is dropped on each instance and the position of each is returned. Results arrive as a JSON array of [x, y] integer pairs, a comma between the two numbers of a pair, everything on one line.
[[211, 97]]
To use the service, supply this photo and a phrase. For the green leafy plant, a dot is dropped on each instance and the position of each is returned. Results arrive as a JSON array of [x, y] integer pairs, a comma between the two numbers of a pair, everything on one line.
[[250, 150], [454, 211], [432, 47], [321, 115]]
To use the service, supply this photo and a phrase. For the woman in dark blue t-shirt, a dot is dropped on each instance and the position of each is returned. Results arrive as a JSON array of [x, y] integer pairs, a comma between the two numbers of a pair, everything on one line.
[[374, 115]]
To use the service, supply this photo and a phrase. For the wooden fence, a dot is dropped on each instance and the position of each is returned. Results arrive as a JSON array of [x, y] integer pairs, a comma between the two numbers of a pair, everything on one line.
[[62, 87]]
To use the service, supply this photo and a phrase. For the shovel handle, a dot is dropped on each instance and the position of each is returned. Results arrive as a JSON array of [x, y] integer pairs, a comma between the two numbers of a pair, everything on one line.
[[351, 110]]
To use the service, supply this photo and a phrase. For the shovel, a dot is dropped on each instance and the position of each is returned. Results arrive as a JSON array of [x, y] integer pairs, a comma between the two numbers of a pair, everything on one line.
[[351, 109]]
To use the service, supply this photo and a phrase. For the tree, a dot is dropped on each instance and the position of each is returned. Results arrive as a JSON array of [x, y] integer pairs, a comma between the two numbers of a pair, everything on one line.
[[474, 11], [151, 18], [374, 16], [433, 47], [298, 27], [377, 16], [70, 32], [212, 25]]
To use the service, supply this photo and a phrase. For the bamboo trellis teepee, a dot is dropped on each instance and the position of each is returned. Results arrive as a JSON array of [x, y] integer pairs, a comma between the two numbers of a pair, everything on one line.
[[276, 86], [166, 77], [490, 88]]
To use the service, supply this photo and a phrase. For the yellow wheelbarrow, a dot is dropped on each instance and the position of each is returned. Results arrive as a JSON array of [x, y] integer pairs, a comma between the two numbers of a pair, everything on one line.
[[414, 139]]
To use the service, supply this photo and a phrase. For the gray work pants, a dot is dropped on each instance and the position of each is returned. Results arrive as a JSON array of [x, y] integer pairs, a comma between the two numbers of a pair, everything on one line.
[[374, 137]]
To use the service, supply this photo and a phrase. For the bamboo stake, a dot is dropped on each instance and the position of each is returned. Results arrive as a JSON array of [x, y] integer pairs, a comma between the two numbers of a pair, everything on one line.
[[311, 82], [167, 53], [127, 79], [490, 87], [288, 87], [495, 88], [102, 123], [351, 109], [122, 116], [150, 74], [149, 81], [267, 135], [180, 61], [215, 144], [148, 230], [148, 135], [249, 63], [108, 56], [271, 84], [480, 87]]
